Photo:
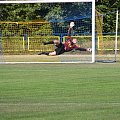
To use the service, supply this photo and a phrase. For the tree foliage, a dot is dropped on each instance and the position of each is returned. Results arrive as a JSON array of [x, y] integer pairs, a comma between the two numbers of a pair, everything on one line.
[[108, 9], [32, 12], [19, 12], [27, 12]]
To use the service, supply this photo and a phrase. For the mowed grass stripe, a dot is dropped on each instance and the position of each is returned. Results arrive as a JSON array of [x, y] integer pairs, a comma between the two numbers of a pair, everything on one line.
[[60, 92]]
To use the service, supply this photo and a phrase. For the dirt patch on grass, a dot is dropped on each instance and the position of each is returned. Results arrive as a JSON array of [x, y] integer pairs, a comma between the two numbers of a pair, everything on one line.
[[30, 58]]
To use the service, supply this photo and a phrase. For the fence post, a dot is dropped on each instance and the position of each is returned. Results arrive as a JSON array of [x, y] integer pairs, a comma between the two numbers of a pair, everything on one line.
[[26, 41]]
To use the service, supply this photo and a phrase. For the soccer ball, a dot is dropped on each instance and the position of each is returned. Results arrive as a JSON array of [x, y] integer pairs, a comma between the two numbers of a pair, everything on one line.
[[72, 24]]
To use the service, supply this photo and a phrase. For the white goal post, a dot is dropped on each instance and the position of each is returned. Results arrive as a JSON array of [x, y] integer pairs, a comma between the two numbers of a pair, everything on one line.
[[92, 55], [116, 36]]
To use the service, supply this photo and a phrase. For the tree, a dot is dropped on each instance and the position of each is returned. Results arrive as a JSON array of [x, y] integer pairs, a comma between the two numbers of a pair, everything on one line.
[[71, 11], [108, 9], [28, 12], [19, 12]]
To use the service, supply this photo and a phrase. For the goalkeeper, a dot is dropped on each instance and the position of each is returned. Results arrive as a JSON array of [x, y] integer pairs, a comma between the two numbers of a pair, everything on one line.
[[69, 45]]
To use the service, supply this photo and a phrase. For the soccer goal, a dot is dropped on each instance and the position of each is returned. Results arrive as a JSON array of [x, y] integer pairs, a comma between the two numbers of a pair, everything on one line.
[[21, 41]]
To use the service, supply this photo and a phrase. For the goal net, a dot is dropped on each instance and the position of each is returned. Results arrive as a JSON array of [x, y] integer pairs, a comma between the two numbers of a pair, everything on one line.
[[21, 41], [107, 38], [1, 52]]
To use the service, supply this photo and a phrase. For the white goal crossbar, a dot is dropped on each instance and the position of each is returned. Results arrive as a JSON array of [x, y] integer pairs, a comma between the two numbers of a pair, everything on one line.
[[44, 1]]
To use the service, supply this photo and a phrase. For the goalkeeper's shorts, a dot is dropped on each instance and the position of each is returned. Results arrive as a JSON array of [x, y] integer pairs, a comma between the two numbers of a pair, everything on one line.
[[60, 49]]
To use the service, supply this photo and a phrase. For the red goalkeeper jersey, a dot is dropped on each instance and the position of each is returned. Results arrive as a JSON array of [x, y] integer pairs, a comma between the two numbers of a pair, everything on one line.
[[69, 45]]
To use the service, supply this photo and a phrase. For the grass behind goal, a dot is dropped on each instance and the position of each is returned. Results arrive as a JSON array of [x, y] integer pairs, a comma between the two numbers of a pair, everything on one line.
[[60, 92]]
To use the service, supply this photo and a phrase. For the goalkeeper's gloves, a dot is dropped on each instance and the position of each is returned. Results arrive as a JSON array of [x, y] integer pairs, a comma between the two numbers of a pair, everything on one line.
[[72, 24]]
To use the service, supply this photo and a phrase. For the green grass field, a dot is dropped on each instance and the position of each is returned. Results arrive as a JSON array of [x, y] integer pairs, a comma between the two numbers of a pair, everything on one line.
[[60, 91]]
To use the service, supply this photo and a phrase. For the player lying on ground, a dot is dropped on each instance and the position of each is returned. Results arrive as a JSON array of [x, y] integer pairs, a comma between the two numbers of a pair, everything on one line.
[[69, 45]]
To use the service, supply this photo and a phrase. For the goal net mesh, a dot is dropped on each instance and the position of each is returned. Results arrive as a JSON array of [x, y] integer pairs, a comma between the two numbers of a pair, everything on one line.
[[22, 41], [106, 37]]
